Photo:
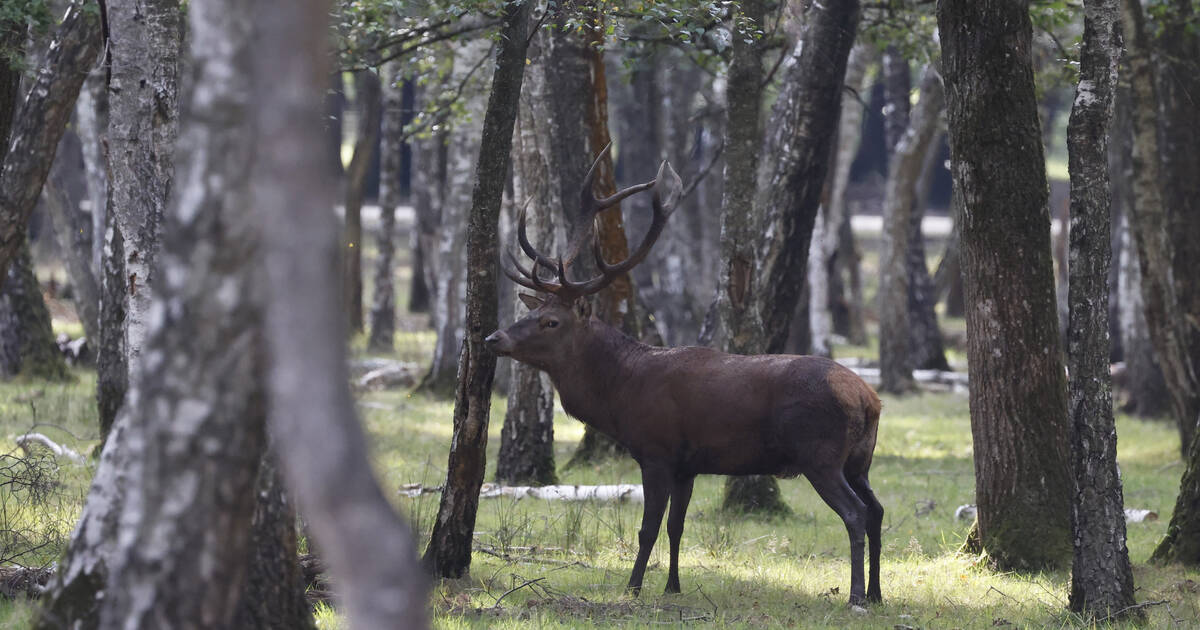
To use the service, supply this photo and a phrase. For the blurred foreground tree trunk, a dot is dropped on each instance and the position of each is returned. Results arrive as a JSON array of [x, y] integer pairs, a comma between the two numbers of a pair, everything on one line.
[[320, 444], [1018, 385], [1101, 576], [183, 506], [449, 551], [367, 94]]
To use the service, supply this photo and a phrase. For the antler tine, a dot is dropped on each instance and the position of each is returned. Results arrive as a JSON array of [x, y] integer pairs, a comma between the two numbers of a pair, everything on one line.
[[667, 180], [528, 278], [523, 238]]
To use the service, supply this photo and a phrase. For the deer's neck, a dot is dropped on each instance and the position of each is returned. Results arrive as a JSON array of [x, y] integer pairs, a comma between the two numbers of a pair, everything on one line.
[[592, 383]]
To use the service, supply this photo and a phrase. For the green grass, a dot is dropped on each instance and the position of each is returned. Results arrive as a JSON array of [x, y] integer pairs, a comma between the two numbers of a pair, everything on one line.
[[735, 572]]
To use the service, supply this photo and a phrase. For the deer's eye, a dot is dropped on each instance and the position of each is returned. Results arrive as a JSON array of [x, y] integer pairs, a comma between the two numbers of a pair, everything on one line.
[[551, 323]]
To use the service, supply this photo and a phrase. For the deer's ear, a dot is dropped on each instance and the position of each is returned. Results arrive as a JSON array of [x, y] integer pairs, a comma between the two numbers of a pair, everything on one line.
[[583, 307], [531, 301]]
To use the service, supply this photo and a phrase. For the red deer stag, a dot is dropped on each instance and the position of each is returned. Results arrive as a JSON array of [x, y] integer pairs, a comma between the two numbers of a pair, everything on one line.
[[688, 411]]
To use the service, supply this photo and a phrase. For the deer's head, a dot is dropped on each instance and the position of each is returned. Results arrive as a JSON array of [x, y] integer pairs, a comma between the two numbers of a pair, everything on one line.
[[560, 315]]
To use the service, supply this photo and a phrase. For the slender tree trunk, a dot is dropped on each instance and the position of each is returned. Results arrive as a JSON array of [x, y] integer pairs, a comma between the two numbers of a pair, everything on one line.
[[91, 123], [800, 134], [449, 274], [112, 366], [1018, 385], [740, 327], [319, 442], [144, 45], [1180, 131], [1152, 222], [73, 232], [273, 598], [1101, 576], [428, 164], [26, 341], [617, 304], [926, 350], [39, 122], [383, 307], [824, 274], [368, 94], [527, 439], [906, 162], [1146, 391], [449, 551]]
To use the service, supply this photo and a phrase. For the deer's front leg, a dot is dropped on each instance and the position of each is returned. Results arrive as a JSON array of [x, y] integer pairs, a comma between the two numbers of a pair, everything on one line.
[[656, 487]]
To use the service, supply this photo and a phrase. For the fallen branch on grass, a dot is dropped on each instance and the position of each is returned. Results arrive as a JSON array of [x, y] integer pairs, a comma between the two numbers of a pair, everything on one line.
[[620, 492], [23, 441], [929, 380]]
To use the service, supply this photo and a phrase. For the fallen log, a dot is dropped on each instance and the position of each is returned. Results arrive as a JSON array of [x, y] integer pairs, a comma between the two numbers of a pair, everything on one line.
[[619, 492]]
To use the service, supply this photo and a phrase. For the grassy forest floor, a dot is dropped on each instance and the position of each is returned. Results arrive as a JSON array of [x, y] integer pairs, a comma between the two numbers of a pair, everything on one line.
[[558, 564], [573, 558]]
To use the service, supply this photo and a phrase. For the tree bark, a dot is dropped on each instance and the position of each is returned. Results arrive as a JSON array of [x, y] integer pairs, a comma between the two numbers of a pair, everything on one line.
[[1152, 223], [39, 123], [1018, 394], [73, 233], [527, 439], [462, 150], [143, 46], [449, 551], [926, 350], [182, 505], [740, 324], [824, 273], [1179, 44], [112, 365], [800, 134], [320, 444], [27, 343], [273, 598], [383, 304], [1101, 576], [367, 94], [91, 123], [788, 193], [896, 319]]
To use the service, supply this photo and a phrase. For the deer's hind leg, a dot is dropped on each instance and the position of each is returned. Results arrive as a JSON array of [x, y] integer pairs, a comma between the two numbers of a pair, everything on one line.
[[862, 488], [831, 485]]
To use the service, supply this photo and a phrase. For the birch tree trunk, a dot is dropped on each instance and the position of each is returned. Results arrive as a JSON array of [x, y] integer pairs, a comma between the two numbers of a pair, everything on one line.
[[1152, 223], [27, 343], [1101, 576], [319, 442], [1018, 385], [144, 45], [527, 439], [91, 123], [823, 260], [383, 303], [462, 151], [181, 505], [39, 122], [449, 551]]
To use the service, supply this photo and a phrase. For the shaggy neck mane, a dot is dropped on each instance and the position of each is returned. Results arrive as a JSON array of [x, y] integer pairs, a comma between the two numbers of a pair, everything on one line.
[[589, 384]]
